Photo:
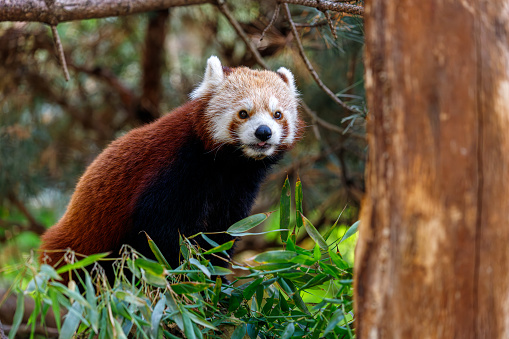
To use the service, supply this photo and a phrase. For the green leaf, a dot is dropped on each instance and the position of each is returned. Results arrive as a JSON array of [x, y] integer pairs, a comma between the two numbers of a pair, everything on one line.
[[316, 253], [93, 315], [55, 305], [201, 267], [18, 315], [290, 244], [157, 252], [250, 290], [283, 304], [150, 265], [274, 266], [217, 291], [199, 320], [329, 269], [188, 327], [316, 280], [336, 259], [239, 332], [259, 296], [288, 332], [218, 270], [72, 321], [351, 231], [285, 209], [275, 256], [304, 260], [314, 234], [335, 319], [189, 287], [298, 202], [224, 247], [71, 293], [175, 310], [248, 223], [157, 315], [296, 296], [83, 262]]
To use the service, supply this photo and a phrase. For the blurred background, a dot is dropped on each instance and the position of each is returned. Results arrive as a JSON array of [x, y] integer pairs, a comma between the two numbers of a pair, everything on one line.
[[128, 71]]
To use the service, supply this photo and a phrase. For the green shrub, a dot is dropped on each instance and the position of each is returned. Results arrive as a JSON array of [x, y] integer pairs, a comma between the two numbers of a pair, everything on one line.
[[290, 293]]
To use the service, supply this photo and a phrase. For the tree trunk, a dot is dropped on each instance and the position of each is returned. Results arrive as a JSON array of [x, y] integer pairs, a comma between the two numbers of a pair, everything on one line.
[[432, 259]]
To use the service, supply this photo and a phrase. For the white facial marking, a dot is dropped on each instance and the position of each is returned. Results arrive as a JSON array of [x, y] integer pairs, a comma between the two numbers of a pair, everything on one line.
[[273, 104]]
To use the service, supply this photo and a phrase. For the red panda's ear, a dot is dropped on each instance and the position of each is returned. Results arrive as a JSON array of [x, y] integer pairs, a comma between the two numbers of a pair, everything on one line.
[[287, 77], [213, 77]]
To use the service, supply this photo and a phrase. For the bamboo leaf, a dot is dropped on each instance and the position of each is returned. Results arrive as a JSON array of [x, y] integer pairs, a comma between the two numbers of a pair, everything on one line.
[[336, 259], [335, 319], [239, 332], [298, 203], [218, 270], [351, 231], [189, 287], [72, 321], [18, 315], [251, 289], [285, 209], [201, 267], [224, 247], [275, 256], [248, 223], [314, 234], [83, 262], [157, 252], [288, 332], [157, 315]]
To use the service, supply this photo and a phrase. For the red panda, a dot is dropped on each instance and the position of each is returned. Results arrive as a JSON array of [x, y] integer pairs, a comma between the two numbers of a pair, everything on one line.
[[199, 168]]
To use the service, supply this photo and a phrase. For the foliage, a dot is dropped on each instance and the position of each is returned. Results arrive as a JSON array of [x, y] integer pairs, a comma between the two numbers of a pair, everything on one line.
[[288, 293]]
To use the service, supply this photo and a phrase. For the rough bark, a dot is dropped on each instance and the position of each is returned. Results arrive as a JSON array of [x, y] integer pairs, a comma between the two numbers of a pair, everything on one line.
[[432, 257], [54, 11]]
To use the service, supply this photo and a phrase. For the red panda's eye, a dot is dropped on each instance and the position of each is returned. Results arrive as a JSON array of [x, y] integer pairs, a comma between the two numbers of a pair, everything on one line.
[[278, 115], [243, 114]]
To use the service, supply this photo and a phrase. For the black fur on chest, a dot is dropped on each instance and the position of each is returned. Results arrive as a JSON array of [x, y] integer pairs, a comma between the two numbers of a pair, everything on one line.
[[199, 191]]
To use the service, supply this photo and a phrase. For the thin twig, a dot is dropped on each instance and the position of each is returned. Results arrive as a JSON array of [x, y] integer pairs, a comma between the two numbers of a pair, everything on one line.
[[60, 51], [274, 17], [328, 125], [226, 12], [308, 63], [328, 5], [331, 25]]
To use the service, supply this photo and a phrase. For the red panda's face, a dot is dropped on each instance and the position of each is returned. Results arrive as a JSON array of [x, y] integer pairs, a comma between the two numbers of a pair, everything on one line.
[[254, 110]]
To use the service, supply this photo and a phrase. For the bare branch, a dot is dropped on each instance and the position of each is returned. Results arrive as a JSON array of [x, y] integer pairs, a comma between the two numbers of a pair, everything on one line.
[[274, 17], [328, 5], [252, 48], [308, 63], [60, 51], [328, 125], [62, 10]]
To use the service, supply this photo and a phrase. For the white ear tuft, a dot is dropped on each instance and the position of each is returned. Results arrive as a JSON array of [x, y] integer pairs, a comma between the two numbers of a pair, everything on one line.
[[213, 77], [287, 77]]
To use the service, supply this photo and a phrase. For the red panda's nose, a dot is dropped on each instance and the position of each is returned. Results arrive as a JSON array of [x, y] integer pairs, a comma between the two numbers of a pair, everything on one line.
[[263, 133]]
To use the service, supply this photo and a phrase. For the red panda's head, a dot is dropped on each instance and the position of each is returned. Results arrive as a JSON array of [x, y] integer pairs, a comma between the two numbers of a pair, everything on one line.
[[253, 110]]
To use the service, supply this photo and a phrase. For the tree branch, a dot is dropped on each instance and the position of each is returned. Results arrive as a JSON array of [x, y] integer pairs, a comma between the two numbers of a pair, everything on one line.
[[243, 35], [323, 5], [62, 10], [308, 63]]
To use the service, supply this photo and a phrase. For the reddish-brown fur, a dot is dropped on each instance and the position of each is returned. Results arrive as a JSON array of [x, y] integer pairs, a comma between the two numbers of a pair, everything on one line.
[[122, 178]]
